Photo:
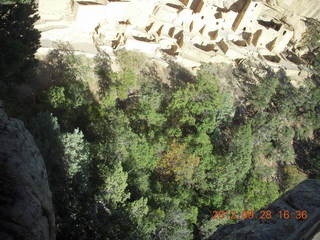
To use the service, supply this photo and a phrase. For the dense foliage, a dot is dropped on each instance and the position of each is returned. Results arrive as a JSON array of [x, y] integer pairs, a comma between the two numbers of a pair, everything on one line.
[[144, 158], [153, 161], [17, 46]]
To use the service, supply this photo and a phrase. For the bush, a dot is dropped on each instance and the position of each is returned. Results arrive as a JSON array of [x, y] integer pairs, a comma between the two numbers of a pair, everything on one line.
[[260, 193], [262, 94], [131, 61], [292, 176], [56, 97]]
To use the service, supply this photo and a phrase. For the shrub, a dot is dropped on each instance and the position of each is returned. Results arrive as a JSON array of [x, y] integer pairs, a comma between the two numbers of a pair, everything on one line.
[[260, 193], [131, 61], [292, 176]]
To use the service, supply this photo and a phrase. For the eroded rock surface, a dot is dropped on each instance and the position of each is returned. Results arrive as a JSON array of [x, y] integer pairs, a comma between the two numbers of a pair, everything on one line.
[[26, 210]]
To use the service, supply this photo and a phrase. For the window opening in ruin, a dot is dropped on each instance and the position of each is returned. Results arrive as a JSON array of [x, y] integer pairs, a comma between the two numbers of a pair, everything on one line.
[[275, 58], [127, 22], [179, 37], [185, 2], [223, 46], [241, 15], [256, 5], [180, 10], [213, 35], [88, 3], [155, 10], [171, 31], [218, 15], [247, 37], [96, 29], [294, 58], [284, 33], [159, 30], [191, 26], [270, 45], [270, 24], [174, 6], [149, 27], [172, 51], [143, 39], [256, 37], [244, 29], [115, 44], [197, 5], [240, 43], [202, 29], [206, 48], [202, 17], [180, 42]]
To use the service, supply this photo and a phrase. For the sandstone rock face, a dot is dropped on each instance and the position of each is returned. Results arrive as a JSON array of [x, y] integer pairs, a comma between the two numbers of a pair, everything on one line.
[[304, 197], [26, 210], [54, 10], [302, 8], [299, 8]]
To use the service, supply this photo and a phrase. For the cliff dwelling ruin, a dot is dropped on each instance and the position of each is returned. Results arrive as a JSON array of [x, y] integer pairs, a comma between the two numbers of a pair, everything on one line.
[[193, 31]]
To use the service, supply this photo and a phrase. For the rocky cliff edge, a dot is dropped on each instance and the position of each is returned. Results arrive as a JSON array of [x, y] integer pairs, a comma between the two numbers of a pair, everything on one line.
[[301, 221], [26, 210]]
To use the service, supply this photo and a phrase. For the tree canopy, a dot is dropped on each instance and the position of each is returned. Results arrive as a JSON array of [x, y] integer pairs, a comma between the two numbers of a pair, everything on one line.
[[145, 158]]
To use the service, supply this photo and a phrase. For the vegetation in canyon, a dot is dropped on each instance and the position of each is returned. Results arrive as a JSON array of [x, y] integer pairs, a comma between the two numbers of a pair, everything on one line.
[[142, 158]]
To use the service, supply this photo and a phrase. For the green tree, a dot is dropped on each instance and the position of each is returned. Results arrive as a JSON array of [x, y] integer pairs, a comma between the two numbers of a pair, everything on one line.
[[194, 107], [260, 193], [175, 226], [145, 110], [138, 210], [113, 190], [76, 151], [151, 158], [234, 168], [120, 87], [261, 94], [19, 41], [138, 214], [56, 97]]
